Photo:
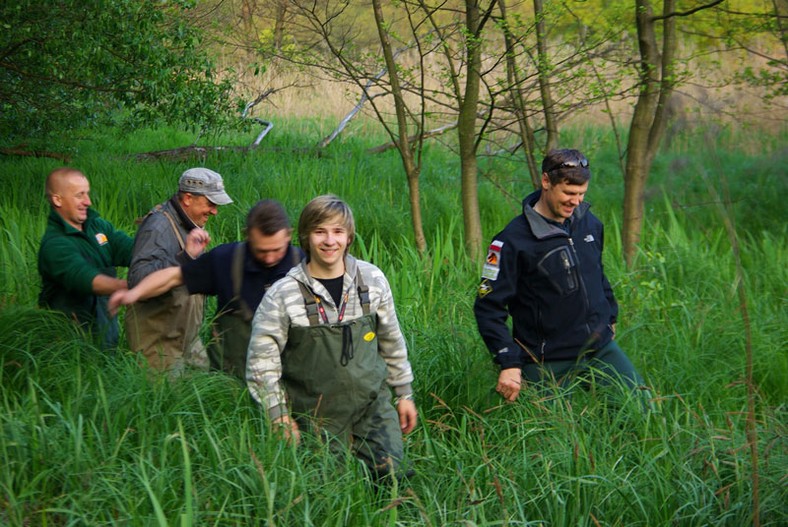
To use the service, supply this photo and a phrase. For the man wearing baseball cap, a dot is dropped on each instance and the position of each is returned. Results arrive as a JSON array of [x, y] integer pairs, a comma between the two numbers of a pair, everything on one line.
[[165, 329]]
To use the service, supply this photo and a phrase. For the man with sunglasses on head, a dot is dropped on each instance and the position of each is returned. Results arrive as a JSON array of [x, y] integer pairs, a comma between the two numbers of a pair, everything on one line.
[[544, 270], [165, 329]]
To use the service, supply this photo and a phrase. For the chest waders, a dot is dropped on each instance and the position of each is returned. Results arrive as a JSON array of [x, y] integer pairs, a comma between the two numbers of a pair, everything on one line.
[[232, 327], [336, 383], [166, 329]]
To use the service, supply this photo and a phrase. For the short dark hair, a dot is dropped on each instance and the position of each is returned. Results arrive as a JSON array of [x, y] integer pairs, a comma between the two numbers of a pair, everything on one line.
[[566, 165], [267, 216], [320, 210]]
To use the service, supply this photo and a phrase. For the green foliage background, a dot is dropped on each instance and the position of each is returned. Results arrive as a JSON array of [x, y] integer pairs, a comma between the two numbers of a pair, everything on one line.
[[89, 439], [73, 63]]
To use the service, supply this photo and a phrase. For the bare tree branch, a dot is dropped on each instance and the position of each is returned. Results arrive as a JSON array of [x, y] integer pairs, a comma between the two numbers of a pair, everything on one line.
[[687, 12]]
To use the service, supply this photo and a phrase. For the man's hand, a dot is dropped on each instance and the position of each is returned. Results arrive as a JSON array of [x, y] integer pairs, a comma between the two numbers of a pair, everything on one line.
[[509, 383], [121, 297], [288, 428], [196, 242], [408, 415]]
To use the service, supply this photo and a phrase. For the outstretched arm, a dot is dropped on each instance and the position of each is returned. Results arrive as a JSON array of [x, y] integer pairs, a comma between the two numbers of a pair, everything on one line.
[[151, 286], [104, 284]]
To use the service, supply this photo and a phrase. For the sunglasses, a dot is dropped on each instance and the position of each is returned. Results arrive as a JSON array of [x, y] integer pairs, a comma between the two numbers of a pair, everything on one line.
[[574, 163]]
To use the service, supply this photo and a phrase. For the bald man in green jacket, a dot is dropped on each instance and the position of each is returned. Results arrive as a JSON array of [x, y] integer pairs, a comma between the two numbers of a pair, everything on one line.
[[78, 257]]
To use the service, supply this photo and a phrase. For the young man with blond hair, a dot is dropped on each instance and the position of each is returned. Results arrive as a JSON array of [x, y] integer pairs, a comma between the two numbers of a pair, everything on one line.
[[327, 349]]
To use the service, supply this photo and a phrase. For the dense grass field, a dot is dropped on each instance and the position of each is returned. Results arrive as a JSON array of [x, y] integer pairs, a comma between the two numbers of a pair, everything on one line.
[[88, 439]]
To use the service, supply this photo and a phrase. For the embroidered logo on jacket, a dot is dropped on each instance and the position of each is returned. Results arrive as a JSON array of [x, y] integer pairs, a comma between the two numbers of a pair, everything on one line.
[[589, 238], [101, 238], [493, 261], [484, 289]]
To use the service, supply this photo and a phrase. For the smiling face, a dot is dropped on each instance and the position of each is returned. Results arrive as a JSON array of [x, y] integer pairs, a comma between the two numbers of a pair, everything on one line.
[[268, 250], [70, 196], [328, 242], [559, 200], [198, 208]]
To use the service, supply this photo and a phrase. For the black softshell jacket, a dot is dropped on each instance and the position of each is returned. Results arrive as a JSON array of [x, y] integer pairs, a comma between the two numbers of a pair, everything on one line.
[[552, 283]]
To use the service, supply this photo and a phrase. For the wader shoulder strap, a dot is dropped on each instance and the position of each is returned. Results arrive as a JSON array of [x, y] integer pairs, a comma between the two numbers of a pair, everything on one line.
[[237, 278], [363, 293], [310, 301], [174, 229], [296, 256]]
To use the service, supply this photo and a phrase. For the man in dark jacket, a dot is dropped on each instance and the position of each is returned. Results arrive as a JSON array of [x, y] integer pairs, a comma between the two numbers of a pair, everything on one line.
[[78, 255], [545, 271]]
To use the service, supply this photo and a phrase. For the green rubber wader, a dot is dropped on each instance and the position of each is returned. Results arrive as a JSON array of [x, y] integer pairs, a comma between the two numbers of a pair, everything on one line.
[[227, 350], [336, 383]]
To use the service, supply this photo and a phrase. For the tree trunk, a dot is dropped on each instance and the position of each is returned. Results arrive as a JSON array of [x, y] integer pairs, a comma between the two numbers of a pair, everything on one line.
[[648, 121], [514, 81], [248, 8], [781, 13], [467, 134], [550, 120], [279, 23], [406, 151]]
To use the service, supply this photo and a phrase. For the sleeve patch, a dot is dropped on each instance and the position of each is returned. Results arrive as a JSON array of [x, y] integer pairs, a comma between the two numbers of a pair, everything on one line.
[[485, 288], [490, 272], [494, 253], [493, 261]]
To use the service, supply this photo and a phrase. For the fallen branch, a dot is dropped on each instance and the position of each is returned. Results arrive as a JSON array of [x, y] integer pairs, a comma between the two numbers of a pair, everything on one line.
[[357, 108], [20, 151], [184, 152], [426, 135]]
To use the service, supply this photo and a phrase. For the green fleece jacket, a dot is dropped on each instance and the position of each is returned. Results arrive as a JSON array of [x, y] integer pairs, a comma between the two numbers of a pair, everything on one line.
[[69, 260]]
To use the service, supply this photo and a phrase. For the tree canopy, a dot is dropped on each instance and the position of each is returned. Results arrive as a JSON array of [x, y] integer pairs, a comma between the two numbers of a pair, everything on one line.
[[72, 62]]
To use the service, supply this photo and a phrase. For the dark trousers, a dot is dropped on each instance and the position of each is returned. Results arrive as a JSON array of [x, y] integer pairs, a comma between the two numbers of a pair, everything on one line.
[[608, 366]]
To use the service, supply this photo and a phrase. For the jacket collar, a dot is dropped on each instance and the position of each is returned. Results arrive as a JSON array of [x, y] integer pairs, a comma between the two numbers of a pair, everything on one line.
[[182, 216], [67, 228], [542, 228], [301, 273]]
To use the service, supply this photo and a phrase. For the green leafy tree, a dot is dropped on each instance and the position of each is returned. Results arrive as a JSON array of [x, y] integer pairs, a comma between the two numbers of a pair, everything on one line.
[[76, 62]]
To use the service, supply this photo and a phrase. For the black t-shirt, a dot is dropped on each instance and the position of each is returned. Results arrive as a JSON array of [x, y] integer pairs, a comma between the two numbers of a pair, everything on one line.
[[334, 287]]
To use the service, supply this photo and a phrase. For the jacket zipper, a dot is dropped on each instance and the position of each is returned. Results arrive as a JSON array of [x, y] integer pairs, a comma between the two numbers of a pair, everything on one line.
[[580, 280]]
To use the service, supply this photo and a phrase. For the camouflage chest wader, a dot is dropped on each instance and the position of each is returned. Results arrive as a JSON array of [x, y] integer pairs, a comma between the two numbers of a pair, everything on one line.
[[336, 382]]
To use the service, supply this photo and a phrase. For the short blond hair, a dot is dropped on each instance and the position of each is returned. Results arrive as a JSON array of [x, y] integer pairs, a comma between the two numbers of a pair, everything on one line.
[[320, 210]]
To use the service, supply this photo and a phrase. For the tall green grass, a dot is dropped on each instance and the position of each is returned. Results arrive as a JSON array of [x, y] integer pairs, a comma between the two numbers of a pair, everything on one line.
[[88, 438]]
